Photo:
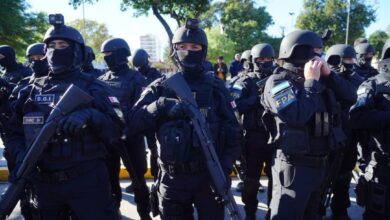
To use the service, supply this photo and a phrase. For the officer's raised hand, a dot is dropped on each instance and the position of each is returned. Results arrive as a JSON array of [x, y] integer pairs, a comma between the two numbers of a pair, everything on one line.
[[77, 121], [312, 70]]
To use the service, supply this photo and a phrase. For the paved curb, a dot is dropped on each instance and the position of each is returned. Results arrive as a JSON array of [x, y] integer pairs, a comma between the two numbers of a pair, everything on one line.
[[123, 174]]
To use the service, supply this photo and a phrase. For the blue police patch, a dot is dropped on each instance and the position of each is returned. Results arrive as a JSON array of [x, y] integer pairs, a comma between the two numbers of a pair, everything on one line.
[[362, 97], [33, 120], [236, 91], [280, 87], [45, 98], [283, 95]]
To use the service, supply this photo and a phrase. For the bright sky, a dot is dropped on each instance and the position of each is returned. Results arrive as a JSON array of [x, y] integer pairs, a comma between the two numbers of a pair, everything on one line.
[[125, 25]]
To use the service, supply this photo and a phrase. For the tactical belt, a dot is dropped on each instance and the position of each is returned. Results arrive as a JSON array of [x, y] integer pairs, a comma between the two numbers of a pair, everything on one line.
[[68, 174], [183, 168], [302, 160]]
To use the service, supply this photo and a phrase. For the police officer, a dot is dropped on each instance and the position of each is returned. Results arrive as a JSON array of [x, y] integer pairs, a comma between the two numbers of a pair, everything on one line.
[[35, 56], [364, 54], [235, 90], [300, 102], [184, 180], [126, 84], [71, 174], [372, 112], [14, 71], [140, 60], [341, 59], [256, 150], [88, 66], [246, 61]]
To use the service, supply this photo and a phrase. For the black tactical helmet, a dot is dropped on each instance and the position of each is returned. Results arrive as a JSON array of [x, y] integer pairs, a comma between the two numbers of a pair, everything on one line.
[[364, 48], [386, 50], [115, 44], [140, 58], [191, 33], [262, 50], [339, 51], [299, 39], [89, 53], [246, 55], [35, 49]]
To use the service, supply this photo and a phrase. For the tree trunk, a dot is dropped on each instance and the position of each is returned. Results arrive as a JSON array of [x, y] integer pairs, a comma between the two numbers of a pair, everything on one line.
[[162, 21]]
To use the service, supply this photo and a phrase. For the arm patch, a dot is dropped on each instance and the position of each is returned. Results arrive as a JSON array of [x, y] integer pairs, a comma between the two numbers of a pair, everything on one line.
[[283, 95]]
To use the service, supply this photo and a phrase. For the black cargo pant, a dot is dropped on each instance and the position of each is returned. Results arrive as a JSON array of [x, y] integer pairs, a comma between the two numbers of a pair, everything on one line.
[[296, 192], [257, 153], [179, 192], [87, 196]]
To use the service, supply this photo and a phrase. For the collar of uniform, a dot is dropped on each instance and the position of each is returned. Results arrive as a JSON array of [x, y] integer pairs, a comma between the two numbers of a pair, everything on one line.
[[120, 69], [64, 75]]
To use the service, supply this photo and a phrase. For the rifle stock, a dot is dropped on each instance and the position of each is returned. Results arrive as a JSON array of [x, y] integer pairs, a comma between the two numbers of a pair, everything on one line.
[[72, 98], [178, 84]]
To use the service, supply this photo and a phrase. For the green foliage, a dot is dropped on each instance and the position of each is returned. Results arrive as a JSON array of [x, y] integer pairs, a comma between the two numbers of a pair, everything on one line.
[[179, 10], [219, 45], [377, 40], [243, 22], [94, 34], [319, 15], [20, 28]]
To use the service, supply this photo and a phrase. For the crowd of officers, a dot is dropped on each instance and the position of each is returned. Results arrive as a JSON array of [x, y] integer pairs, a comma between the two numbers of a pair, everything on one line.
[[305, 120]]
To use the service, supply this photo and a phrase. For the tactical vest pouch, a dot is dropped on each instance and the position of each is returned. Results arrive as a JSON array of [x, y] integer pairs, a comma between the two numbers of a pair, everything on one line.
[[175, 141], [270, 126], [295, 141], [32, 123]]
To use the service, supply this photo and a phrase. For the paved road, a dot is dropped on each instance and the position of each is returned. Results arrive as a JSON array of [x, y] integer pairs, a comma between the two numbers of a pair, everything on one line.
[[129, 211]]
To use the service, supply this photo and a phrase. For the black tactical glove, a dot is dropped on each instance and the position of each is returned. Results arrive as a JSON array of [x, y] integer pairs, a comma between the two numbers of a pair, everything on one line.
[[169, 107], [77, 121]]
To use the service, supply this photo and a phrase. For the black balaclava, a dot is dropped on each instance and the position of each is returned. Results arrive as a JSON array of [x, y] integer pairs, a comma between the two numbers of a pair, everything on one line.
[[190, 63], [117, 60], [87, 65], [63, 60], [9, 60], [364, 61], [40, 67], [265, 65], [144, 69]]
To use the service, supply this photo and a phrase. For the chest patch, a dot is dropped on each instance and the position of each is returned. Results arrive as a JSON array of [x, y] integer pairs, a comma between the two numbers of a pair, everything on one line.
[[117, 85], [33, 120], [45, 98]]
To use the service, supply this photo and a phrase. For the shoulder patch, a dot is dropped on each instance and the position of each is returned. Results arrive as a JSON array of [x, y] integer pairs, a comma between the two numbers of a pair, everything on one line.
[[280, 87], [283, 95]]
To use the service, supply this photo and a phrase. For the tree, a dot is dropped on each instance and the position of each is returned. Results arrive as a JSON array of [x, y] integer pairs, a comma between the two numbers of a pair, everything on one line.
[[179, 10], [242, 22], [219, 44], [94, 34], [377, 40], [319, 15], [19, 28]]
